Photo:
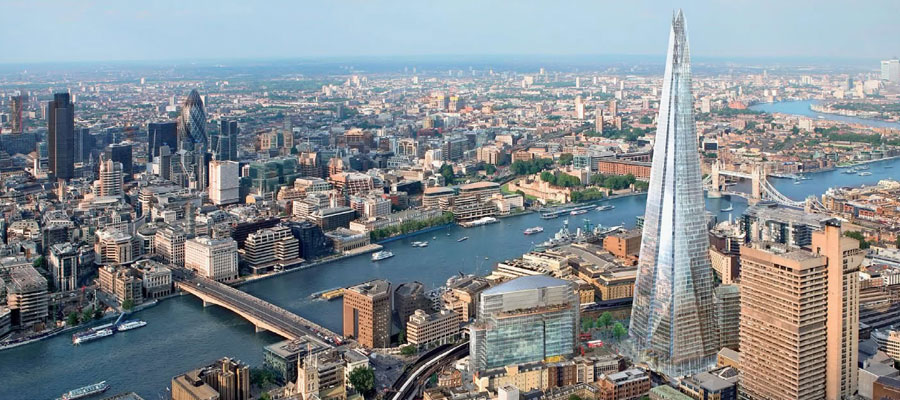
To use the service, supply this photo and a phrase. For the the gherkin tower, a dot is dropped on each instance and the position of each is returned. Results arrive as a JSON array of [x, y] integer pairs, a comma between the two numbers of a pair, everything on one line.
[[192, 125], [672, 325]]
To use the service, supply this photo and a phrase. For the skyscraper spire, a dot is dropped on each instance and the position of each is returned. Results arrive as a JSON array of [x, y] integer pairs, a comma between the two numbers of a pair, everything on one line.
[[672, 324]]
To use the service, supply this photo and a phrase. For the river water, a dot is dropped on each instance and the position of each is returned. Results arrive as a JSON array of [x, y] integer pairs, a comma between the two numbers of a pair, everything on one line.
[[801, 107], [181, 334]]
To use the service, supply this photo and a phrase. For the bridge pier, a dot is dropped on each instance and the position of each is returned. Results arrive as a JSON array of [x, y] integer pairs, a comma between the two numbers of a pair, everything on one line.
[[258, 329], [206, 304]]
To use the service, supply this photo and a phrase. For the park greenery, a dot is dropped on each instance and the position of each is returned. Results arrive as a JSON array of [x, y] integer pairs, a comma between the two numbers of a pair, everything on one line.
[[566, 158], [559, 179], [410, 226], [606, 323], [833, 134], [614, 182], [530, 167], [408, 350], [588, 194]]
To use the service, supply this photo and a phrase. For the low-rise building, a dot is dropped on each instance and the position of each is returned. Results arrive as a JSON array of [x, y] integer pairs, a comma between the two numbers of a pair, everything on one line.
[[226, 379], [426, 330], [284, 356], [630, 384]]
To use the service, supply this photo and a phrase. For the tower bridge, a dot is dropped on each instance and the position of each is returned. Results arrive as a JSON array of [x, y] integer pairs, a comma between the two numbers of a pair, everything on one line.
[[760, 188]]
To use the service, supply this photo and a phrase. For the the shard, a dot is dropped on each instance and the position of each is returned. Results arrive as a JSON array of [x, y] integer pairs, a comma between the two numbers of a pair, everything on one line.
[[672, 323]]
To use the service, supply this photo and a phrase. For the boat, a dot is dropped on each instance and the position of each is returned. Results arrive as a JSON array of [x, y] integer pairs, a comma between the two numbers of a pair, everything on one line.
[[864, 173], [730, 208], [462, 239], [578, 212], [130, 324], [420, 244], [797, 182], [332, 294], [479, 222], [91, 334], [85, 391], [381, 255], [888, 166], [606, 207], [434, 238], [533, 230]]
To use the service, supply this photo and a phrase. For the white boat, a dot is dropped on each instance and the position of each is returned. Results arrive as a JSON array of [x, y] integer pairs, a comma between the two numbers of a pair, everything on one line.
[[91, 335], [86, 391], [578, 212], [462, 239], [730, 207], [533, 230], [381, 255], [479, 222], [864, 173], [131, 324], [606, 207], [420, 244]]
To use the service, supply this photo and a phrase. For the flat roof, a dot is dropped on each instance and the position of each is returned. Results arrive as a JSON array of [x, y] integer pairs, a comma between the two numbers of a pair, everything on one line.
[[526, 283]]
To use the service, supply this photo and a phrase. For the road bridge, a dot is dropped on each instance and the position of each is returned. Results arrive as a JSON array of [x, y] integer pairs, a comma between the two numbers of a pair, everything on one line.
[[262, 314]]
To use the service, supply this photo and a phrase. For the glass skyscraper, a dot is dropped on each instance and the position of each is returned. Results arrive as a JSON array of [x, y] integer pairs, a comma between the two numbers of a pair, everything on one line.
[[672, 322], [192, 138], [527, 319], [61, 136]]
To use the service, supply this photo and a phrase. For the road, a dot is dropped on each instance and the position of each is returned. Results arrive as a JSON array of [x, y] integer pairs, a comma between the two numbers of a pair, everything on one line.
[[258, 311]]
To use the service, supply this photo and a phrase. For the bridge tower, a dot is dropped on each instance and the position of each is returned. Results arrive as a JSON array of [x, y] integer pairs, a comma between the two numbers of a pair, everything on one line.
[[715, 190], [756, 184]]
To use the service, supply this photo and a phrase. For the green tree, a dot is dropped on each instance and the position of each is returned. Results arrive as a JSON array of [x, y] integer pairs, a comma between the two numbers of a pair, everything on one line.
[[619, 331], [261, 377], [128, 304], [574, 397], [38, 262], [490, 169], [87, 314], [605, 320], [98, 314], [72, 319], [447, 172], [863, 244], [265, 396], [401, 337], [363, 380], [565, 159], [408, 350]]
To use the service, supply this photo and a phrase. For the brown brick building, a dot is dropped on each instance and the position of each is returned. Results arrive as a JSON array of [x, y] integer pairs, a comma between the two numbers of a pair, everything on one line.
[[367, 313]]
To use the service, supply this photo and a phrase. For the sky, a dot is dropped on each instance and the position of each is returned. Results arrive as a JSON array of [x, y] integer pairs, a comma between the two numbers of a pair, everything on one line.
[[38, 31]]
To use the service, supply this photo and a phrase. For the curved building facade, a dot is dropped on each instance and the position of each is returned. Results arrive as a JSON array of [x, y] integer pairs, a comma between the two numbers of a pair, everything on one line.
[[192, 123], [672, 322]]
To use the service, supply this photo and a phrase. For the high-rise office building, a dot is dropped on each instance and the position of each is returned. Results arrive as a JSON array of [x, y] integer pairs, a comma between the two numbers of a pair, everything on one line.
[[61, 136], [63, 261], [111, 178], [161, 134], [783, 323], [16, 108], [579, 108], [192, 139], [672, 319], [224, 144], [226, 379], [890, 70], [122, 154], [169, 242], [598, 121], [843, 259], [524, 320], [367, 313], [224, 182]]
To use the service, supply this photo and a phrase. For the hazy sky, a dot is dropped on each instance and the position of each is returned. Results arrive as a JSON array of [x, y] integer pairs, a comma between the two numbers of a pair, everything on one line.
[[85, 30]]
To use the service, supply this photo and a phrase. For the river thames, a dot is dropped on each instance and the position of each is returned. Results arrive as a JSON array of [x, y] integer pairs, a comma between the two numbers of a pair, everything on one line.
[[181, 334]]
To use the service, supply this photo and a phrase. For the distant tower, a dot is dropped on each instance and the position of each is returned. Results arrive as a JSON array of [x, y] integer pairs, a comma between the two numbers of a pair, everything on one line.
[[161, 134], [598, 122], [672, 323], [110, 178], [17, 106], [61, 137]]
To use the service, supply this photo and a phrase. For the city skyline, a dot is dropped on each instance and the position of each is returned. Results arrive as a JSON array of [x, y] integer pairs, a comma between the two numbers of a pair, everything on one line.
[[109, 31]]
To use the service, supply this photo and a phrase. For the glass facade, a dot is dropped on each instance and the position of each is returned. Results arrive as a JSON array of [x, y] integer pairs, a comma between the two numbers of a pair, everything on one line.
[[193, 123], [524, 320], [672, 324], [269, 176]]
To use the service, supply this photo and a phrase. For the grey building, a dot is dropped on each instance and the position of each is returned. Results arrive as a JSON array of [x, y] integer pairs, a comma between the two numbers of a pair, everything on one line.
[[61, 136]]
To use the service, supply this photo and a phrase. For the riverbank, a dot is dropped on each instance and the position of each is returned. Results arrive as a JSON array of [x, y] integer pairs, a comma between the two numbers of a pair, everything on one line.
[[58, 331]]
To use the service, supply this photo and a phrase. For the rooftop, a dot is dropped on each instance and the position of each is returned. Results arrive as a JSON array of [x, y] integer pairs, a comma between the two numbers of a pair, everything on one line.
[[372, 288], [526, 283]]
